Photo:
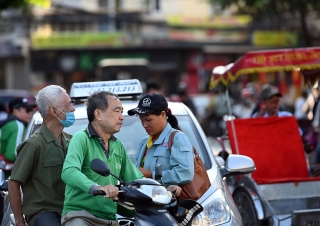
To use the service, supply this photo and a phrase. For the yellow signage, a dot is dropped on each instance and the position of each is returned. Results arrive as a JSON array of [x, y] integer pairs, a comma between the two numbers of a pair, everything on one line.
[[274, 38], [209, 22], [80, 40]]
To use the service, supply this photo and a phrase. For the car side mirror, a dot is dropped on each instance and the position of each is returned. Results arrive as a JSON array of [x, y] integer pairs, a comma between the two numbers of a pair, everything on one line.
[[237, 165]]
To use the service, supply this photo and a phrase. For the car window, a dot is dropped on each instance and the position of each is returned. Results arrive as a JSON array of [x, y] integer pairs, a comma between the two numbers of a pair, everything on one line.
[[132, 132]]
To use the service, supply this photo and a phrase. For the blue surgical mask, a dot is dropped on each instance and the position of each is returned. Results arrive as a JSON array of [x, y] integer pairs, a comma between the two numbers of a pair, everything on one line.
[[70, 119]]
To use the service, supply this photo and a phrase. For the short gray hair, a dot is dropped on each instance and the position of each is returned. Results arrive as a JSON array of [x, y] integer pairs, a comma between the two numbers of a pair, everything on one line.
[[47, 97]]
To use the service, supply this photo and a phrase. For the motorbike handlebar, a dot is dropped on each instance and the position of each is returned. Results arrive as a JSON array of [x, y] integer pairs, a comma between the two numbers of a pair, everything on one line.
[[98, 192], [101, 192]]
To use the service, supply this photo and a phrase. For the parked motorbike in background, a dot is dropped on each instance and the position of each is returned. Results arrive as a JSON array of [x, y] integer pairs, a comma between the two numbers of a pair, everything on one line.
[[153, 203], [5, 205]]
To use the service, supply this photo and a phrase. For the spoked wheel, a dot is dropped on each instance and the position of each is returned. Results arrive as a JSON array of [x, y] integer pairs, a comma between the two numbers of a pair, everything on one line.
[[246, 208]]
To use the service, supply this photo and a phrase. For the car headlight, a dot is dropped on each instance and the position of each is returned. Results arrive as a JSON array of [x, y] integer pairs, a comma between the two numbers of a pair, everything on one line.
[[159, 194], [215, 210]]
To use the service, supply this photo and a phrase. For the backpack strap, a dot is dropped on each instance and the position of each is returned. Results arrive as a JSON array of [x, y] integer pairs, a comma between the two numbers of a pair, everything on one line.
[[170, 142]]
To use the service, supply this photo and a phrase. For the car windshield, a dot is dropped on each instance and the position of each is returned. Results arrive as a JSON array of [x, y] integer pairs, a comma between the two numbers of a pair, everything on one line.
[[132, 132]]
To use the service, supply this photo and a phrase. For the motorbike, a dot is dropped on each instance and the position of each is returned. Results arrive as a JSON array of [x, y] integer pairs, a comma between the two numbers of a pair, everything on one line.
[[153, 203], [5, 209]]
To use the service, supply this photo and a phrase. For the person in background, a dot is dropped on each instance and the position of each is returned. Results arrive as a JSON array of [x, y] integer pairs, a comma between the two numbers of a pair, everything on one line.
[[316, 128], [13, 128], [213, 123], [104, 110], [39, 162], [246, 105], [301, 108], [184, 97], [270, 103], [3, 113], [153, 87], [158, 121]]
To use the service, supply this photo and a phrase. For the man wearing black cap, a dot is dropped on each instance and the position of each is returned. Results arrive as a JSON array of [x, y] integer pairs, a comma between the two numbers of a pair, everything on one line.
[[12, 129], [270, 103]]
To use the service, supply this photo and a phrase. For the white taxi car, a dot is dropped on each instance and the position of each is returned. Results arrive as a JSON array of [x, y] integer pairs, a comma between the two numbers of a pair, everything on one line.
[[219, 207]]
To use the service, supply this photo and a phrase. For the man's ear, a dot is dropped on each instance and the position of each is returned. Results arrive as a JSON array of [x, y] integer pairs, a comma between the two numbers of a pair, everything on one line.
[[53, 111], [97, 114], [14, 110]]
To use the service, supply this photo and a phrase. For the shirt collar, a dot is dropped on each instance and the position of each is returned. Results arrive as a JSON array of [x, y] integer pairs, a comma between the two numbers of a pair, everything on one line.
[[163, 134], [48, 135], [13, 117], [92, 133]]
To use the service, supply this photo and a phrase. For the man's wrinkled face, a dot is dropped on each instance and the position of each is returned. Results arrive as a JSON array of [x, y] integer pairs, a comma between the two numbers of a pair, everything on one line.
[[112, 118]]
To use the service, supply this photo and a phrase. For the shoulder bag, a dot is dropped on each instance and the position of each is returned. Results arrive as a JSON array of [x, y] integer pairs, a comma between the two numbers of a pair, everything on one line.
[[200, 182]]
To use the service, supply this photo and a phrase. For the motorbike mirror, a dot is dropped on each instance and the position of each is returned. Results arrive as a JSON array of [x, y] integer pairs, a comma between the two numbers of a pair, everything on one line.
[[100, 167], [158, 173], [103, 169]]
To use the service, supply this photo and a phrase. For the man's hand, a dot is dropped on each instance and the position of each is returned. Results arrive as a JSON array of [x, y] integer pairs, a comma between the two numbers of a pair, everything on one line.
[[175, 189], [263, 110], [110, 190], [15, 201], [146, 173]]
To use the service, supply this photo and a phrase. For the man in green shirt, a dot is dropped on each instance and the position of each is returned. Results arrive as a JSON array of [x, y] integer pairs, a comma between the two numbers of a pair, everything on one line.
[[37, 168], [13, 128], [104, 111]]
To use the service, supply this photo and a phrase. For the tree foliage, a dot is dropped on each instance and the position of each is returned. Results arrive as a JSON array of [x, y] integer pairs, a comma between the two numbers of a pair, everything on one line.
[[9, 4], [267, 8], [276, 10], [24, 5]]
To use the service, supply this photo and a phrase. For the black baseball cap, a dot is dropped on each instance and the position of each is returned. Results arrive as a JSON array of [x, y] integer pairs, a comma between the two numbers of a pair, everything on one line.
[[20, 102], [269, 91], [149, 104]]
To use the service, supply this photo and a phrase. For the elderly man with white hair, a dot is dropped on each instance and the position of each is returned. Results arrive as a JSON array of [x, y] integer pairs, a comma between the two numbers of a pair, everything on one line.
[[37, 168]]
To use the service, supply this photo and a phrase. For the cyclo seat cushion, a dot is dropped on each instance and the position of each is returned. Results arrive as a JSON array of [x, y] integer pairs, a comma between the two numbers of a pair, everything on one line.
[[275, 145]]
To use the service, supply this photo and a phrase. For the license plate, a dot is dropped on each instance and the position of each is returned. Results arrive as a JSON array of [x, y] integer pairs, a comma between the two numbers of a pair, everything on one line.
[[306, 218]]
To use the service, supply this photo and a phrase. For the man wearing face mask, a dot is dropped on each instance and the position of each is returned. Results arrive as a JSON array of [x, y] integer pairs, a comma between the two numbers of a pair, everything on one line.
[[39, 162]]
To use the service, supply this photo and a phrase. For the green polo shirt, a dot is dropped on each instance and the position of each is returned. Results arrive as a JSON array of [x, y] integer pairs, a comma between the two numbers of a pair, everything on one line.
[[38, 167], [79, 177]]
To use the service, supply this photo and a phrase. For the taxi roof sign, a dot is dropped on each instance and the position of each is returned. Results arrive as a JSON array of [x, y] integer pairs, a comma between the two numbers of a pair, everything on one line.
[[129, 87]]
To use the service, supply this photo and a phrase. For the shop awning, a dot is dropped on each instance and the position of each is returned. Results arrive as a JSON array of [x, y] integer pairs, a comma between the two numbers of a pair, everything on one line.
[[306, 60]]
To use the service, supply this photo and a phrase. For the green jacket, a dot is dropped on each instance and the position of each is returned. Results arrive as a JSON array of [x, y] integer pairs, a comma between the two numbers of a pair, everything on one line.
[[79, 177], [11, 135]]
